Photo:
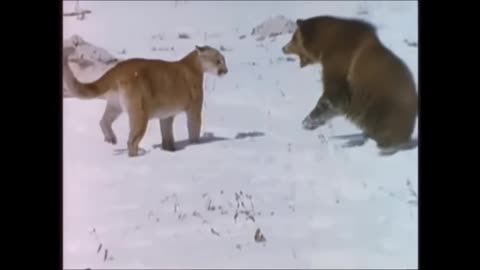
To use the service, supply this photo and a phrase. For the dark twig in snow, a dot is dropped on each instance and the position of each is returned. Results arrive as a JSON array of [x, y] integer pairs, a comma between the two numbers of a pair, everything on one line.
[[214, 232], [210, 207], [106, 255], [259, 237], [412, 193], [235, 216], [410, 43], [175, 207]]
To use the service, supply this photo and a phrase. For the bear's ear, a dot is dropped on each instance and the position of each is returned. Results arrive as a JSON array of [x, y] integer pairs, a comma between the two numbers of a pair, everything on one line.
[[299, 22], [199, 48]]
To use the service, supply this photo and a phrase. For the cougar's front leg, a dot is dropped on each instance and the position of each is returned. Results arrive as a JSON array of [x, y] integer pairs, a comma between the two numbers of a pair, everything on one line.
[[194, 122], [166, 128]]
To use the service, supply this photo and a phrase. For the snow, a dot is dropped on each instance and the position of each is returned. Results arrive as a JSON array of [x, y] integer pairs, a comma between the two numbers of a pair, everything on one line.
[[88, 61], [88, 51], [318, 205], [273, 26]]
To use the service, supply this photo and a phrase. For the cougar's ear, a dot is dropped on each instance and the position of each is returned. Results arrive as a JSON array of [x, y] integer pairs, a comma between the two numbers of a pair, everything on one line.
[[299, 22]]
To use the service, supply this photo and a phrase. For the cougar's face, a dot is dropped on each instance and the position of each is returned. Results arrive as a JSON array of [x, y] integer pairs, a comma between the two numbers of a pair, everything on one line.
[[212, 61]]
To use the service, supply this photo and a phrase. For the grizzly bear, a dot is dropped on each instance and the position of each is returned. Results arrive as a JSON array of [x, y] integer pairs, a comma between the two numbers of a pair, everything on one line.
[[362, 80]]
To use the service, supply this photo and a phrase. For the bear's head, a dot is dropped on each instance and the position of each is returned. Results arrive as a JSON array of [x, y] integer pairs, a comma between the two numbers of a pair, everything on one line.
[[296, 45]]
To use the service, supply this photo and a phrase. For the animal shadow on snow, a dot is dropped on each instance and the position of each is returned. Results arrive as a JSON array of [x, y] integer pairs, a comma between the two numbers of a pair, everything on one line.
[[206, 138], [179, 145], [141, 151], [359, 139], [243, 135], [209, 137]]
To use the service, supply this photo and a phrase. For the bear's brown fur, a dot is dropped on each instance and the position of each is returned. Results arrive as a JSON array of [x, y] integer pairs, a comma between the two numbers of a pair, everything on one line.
[[362, 79]]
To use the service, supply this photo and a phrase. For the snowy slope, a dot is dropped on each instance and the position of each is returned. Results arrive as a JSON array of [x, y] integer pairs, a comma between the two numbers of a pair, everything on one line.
[[317, 205], [88, 61]]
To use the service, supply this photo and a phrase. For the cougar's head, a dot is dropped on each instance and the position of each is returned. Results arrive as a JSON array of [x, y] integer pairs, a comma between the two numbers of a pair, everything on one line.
[[212, 60]]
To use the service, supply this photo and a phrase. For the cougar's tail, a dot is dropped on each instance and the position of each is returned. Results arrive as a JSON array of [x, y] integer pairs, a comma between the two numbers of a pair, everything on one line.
[[79, 89]]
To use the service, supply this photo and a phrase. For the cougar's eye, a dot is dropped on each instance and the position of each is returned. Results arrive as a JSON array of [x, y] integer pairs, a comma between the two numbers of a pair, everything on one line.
[[219, 62]]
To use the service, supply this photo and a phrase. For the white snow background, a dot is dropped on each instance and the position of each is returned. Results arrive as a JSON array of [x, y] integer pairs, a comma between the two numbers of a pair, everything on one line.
[[317, 205]]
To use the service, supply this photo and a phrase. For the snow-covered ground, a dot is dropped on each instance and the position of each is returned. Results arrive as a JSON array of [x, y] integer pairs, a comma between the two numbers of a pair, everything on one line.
[[317, 205]]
